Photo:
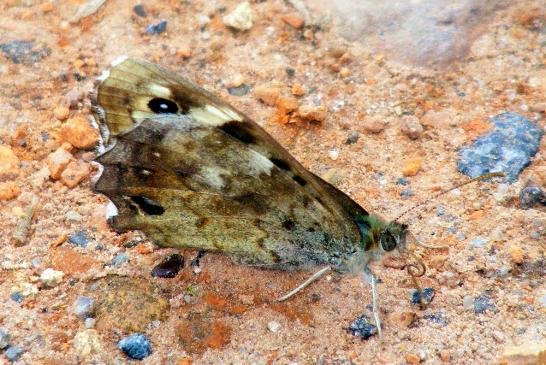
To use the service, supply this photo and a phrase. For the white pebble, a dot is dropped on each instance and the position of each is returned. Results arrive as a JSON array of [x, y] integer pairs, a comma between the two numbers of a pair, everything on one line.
[[240, 18], [51, 277], [468, 302], [334, 154], [274, 326], [89, 322]]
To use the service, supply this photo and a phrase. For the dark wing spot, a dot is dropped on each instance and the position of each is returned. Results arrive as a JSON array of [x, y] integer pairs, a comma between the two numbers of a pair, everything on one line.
[[300, 180], [288, 224], [252, 201], [162, 106], [147, 205], [185, 171], [283, 165], [237, 131]]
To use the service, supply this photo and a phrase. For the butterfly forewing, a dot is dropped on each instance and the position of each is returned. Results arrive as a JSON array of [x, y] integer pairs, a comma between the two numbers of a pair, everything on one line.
[[205, 176]]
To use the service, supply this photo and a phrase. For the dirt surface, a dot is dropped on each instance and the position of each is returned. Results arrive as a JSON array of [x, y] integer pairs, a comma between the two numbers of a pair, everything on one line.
[[312, 90]]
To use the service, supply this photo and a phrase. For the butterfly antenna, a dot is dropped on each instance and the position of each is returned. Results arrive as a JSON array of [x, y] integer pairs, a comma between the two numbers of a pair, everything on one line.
[[435, 196]]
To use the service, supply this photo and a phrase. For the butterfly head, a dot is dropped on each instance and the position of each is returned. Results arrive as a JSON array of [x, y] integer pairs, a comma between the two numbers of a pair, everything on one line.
[[381, 236]]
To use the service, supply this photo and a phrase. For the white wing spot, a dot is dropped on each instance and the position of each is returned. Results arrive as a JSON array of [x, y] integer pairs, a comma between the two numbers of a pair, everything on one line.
[[119, 59], [259, 164], [212, 177], [111, 210], [160, 91]]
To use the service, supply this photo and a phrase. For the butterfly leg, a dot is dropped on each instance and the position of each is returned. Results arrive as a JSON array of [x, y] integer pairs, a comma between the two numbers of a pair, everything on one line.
[[305, 284], [199, 256], [372, 279], [375, 307]]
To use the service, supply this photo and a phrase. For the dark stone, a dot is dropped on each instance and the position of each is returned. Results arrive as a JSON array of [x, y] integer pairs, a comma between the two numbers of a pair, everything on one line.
[[140, 11], [157, 28], [24, 52], [239, 90], [169, 267], [353, 137], [402, 181], [13, 353], [120, 258], [362, 328], [428, 294], [136, 346], [406, 193], [17, 297], [484, 303], [80, 238], [437, 318], [290, 71], [507, 148], [532, 196]]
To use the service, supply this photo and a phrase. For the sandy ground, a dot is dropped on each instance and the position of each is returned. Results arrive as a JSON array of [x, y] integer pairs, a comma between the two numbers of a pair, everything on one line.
[[224, 313]]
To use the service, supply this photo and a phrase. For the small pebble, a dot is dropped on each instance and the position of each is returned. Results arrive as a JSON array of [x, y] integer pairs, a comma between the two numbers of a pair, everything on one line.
[[169, 267], [72, 216], [139, 10], [362, 328], [61, 113], [4, 339], [294, 20], [51, 278], [74, 173], [136, 346], [526, 354], [508, 147], [274, 326], [411, 167], [375, 124], [406, 193], [437, 318], [83, 306], [79, 133], [479, 242], [402, 181], [333, 154], [411, 127], [402, 319], [58, 160], [312, 113], [413, 359], [532, 196], [25, 52], [539, 107], [428, 295], [239, 90], [157, 28], [120, 258], [240, 18], [484, 303], [9, 164], [516, 254], [445, 355], [89, 322], [13, 353], [353, 137], [87, 342], [17, 297], [79, 239]]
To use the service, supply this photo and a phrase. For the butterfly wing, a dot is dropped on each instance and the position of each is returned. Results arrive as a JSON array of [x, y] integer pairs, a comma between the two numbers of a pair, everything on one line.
[[191, 171]]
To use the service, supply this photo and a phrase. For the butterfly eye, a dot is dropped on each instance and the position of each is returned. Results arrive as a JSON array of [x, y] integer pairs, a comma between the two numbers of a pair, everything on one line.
[[160, 106], [387, 240]]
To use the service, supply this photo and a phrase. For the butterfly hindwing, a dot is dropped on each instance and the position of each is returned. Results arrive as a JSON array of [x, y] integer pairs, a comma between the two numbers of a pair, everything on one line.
[[203, 175]]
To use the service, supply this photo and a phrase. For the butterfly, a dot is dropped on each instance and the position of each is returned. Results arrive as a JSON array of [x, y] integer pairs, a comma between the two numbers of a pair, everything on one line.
[[191, 171]]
